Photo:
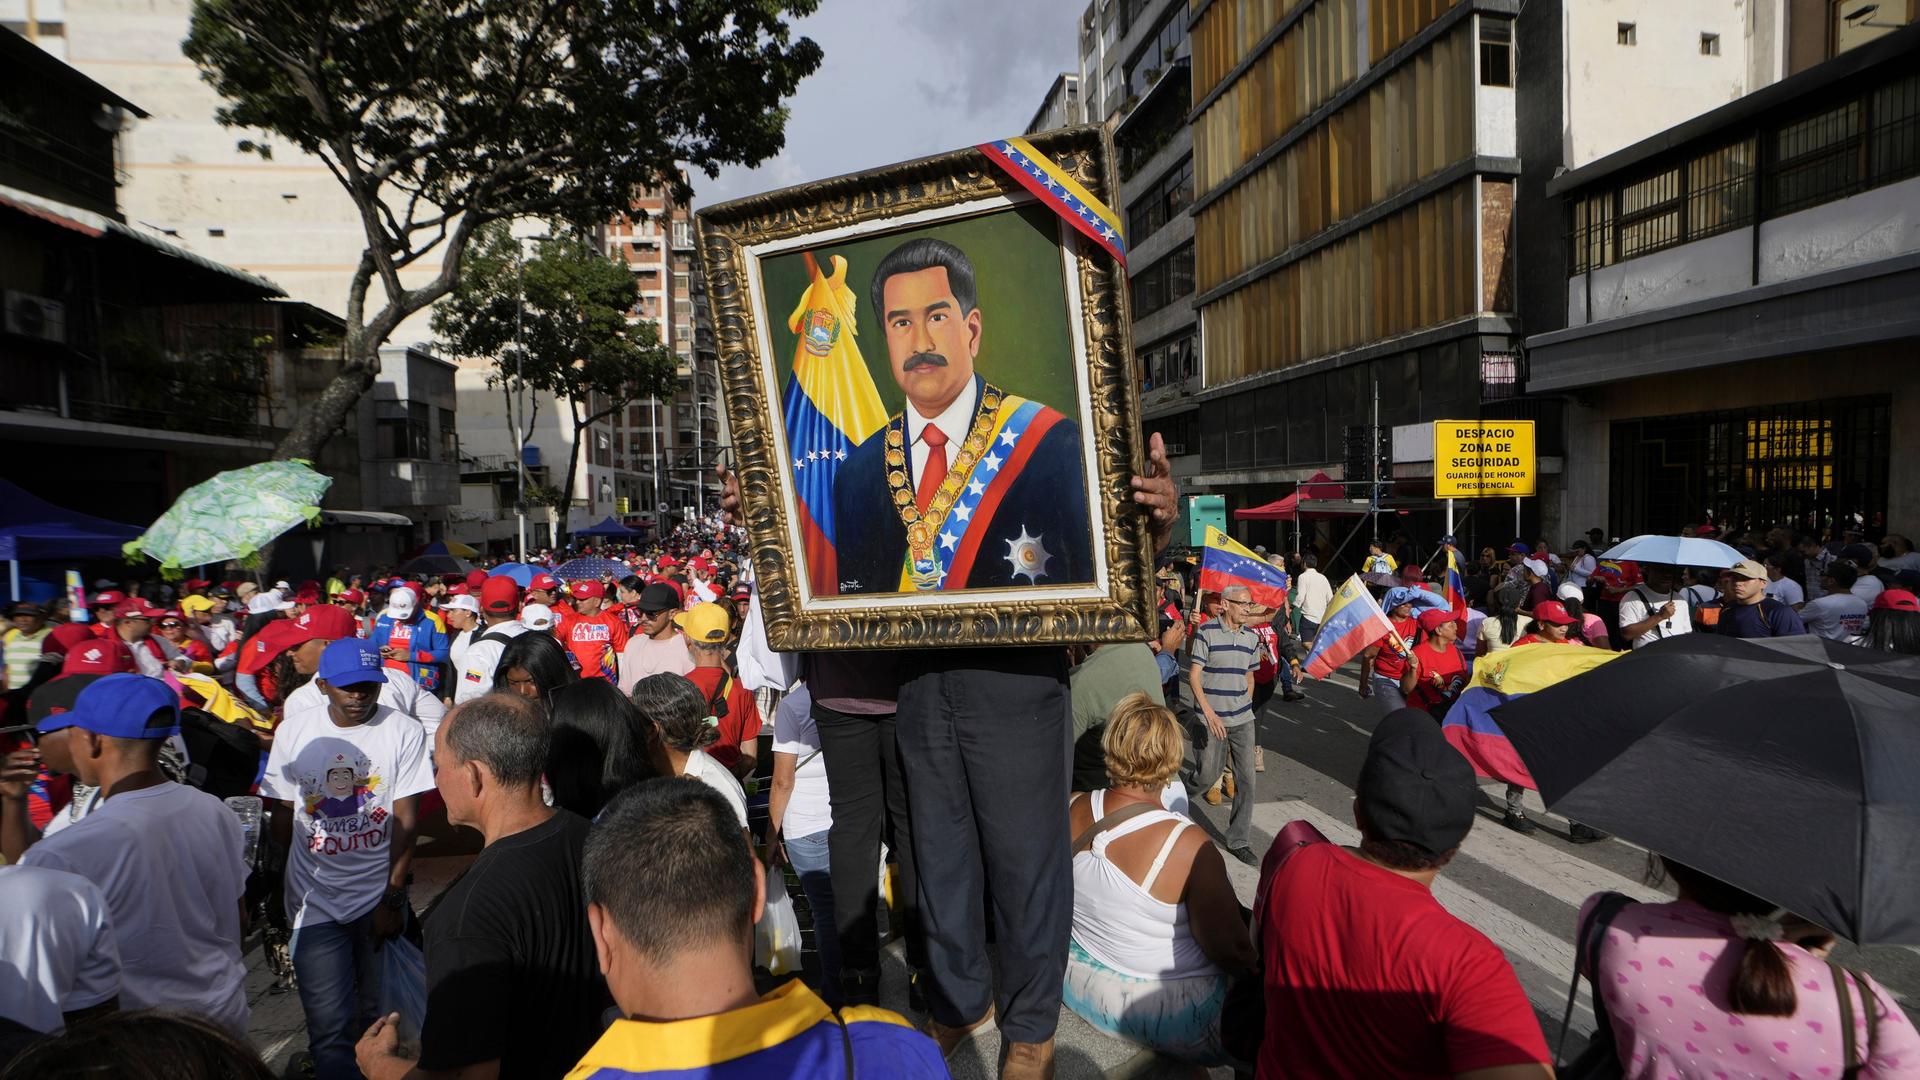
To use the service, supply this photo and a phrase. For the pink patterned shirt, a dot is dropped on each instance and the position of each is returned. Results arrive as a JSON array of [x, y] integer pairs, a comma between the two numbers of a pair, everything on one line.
[[1664, 969]]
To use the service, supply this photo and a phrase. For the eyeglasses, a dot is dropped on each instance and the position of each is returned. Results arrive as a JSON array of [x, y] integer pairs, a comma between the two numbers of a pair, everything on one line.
[[171, 624]]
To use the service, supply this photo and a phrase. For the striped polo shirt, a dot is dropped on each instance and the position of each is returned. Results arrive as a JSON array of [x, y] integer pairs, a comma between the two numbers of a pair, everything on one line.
[[1225, 656]]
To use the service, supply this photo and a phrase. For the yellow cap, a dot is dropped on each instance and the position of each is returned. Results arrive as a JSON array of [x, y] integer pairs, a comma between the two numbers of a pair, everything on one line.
[[708, 622], [192, 604]]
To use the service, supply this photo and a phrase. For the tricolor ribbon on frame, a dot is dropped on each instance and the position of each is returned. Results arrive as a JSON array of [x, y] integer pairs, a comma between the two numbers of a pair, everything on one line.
[[1037, 173]]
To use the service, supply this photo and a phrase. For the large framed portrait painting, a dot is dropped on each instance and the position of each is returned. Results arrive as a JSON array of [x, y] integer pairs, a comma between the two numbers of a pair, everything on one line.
[[926, 370]]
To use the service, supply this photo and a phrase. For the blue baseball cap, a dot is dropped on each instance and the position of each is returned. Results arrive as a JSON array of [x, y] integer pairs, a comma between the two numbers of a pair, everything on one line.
[[351, 662], [1519, 548], [124, 706]]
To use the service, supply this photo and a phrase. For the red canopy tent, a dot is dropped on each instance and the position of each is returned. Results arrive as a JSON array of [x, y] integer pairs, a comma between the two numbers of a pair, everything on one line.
[[1317, 487]]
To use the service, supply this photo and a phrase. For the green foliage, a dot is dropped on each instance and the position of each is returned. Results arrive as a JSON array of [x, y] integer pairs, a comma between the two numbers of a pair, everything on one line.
[[556, 321], [439, 117]]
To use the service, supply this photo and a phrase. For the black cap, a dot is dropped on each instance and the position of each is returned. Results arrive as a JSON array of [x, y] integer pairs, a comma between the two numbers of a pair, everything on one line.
[[1415, 787], [658, 597], [1858, 554]]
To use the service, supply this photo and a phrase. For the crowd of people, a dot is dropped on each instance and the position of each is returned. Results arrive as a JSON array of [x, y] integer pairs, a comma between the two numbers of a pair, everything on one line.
[[1032, 804]]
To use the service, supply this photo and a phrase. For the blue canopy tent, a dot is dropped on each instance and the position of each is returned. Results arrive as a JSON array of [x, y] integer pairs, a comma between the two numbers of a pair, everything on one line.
[[34, 530], [607, 527]]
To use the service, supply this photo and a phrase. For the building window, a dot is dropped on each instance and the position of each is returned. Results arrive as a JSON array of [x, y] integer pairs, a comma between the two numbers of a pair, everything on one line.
[[1167, 280], [1496, 52], [1709, 44], [401, 430], [1165, 201], [1625, 34], [449, 437]]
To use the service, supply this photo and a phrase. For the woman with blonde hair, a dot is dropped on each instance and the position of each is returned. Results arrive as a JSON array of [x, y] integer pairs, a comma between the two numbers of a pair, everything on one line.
[[1157, 934]]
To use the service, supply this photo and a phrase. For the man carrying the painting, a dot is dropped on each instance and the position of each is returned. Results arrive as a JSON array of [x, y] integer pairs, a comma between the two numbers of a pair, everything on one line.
[[969, 486]]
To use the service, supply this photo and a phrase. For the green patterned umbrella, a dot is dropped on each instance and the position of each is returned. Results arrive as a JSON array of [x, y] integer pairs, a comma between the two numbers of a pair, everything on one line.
[[232, 516]]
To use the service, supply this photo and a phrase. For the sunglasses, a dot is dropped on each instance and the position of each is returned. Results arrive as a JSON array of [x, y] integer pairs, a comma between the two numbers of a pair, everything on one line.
[[171, 624]]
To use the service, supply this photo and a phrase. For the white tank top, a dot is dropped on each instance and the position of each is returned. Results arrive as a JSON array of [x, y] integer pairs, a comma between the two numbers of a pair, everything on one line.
[[1118, 921]]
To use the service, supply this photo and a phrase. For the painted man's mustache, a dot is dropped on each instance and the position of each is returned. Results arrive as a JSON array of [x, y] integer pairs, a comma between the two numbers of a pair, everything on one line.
[[923, 359]]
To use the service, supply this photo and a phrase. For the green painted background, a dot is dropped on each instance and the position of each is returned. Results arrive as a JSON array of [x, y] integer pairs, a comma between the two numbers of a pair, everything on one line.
[[1025, 347]]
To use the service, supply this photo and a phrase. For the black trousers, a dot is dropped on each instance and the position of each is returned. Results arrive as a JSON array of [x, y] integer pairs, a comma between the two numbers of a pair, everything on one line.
[[868, 792], [984, 734]]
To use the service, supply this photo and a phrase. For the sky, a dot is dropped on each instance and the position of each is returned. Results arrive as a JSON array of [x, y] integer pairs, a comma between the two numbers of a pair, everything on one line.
[[906, 78]]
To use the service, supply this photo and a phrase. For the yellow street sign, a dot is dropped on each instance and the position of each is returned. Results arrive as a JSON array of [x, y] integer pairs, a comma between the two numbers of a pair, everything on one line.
[[1474, 459]]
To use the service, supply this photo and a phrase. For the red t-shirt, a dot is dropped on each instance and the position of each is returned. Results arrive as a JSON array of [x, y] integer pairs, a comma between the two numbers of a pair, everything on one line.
[[594, 640], [1367, 976], [1448, 665], [1390, 664], [741, 725]]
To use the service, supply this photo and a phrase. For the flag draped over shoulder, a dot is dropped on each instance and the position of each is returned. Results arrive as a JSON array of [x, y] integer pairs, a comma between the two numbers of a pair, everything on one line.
[[1498, 679], [831, 407], [1352, 622], [1224, 562]]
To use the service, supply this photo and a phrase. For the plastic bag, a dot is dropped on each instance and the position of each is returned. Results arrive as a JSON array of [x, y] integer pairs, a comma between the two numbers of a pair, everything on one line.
[[776, 939], [403, 986]]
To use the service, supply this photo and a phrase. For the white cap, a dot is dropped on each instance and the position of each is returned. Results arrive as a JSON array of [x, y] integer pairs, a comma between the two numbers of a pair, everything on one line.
[[1569, 591], [400, 603], [536, 617], [1539, 568], [283, 586], [264, 602], [460, 603]]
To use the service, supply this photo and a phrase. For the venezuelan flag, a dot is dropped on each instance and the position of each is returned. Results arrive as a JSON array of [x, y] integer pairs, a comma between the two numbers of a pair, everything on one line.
[[1456, 589], [1351, 623], [831, 407], [1498, 679], [1224, 562]]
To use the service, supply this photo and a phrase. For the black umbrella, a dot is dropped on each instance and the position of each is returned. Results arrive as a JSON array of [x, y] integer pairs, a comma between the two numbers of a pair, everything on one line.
[[1788, 767], [436, 564]]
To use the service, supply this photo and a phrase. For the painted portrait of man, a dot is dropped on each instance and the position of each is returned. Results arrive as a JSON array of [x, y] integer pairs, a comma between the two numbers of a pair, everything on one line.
[[968, 486]]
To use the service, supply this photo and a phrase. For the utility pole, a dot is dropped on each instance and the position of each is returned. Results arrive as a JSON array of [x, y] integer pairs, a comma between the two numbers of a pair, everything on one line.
[[520, 400], [1374, 452]]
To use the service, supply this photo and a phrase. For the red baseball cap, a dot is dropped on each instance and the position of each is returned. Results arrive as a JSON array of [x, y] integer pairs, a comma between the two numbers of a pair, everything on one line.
[[322, 622], [1433, 618], [665, 562], [1896, 600], [476, 578], [459, 590], [1552, 611], [135, 608], [699, 562], [108, 598], [587, 590], [102, 657], [272, 640], [351, 596], [195, 583], [500, 595], [307, 596], [543, 581]]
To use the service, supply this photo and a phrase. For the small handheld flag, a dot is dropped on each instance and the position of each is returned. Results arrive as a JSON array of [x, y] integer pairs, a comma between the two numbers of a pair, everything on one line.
[[1352, 622], [1224, 562]]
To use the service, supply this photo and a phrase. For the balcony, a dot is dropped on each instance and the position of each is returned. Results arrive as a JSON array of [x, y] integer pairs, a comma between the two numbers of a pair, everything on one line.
[[414, 483]]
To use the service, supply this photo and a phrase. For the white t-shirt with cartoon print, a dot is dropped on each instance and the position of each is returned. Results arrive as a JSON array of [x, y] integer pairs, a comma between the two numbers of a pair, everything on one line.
[[343, 782]]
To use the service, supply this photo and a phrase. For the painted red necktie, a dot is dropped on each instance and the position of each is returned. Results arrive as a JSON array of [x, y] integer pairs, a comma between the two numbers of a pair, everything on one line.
[[935, 470]]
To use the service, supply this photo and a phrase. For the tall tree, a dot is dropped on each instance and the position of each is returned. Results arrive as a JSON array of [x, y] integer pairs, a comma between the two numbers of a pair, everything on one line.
[[556, 323], [439, 117]]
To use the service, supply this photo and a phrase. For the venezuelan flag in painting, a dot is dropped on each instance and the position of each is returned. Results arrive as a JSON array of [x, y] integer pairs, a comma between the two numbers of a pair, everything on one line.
[[1224, 562], [1498, 679], [831, 407]]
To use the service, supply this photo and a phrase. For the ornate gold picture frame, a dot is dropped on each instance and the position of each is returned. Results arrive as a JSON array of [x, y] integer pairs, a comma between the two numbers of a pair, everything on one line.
[[934, 411]]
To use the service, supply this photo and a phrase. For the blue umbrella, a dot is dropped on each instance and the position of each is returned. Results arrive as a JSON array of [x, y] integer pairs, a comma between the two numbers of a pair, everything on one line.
[[591, 569], [521, 573], [1675, 551]]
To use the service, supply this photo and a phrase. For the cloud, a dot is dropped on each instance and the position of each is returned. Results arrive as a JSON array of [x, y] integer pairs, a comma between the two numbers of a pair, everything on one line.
[[905, 78]]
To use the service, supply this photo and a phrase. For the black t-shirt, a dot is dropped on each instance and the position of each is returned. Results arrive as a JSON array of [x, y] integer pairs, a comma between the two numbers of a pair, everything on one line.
[[511, 970]]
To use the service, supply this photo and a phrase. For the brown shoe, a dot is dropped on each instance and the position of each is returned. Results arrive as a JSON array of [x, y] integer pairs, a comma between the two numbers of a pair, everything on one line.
[[1213, 794], [1028, 1061], [950, 1038], [1227, 785]]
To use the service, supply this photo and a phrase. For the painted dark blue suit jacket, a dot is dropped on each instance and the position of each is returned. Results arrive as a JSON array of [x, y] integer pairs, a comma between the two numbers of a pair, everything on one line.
[[1048, 499]]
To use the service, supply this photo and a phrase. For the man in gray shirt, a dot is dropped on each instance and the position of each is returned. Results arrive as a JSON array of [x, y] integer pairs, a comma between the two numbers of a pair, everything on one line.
[[1225, 652]]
